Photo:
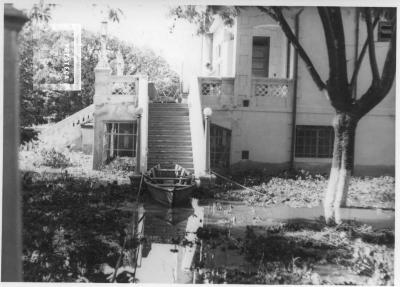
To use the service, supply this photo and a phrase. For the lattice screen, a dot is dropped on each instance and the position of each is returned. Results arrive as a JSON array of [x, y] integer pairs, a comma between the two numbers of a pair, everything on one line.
[[211, 89], [272, 90], [124, 88]]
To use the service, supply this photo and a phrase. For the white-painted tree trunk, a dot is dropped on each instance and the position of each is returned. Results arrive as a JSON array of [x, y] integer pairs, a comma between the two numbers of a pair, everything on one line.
[[341, 193], [342, 165], [330, 194]]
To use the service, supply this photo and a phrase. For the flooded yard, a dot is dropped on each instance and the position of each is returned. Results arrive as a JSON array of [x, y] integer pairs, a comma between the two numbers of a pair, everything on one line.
[[77, 230], [222, 254]]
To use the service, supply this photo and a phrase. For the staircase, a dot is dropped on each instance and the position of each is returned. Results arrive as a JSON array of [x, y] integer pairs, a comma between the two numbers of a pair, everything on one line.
[[67, 131], [169, 138]]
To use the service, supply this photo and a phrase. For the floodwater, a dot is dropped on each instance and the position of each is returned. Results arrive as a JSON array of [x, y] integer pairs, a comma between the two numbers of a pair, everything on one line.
[[164, 259]]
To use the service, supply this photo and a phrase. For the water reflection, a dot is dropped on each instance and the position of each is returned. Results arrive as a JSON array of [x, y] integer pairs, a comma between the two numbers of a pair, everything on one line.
[[174, 251], [168, 251]]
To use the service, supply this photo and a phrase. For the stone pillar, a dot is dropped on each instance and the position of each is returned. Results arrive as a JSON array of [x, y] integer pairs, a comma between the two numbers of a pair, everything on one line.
[[11, 255], [207, 115], [143, 105], [138, 141], [102, 92], [120, 63]]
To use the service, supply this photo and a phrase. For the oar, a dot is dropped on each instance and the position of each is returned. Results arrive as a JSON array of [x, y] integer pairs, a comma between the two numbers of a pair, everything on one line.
[[234, 182]]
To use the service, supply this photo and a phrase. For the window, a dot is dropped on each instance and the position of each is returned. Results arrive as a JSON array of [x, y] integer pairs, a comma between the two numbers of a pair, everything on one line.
[[246, 103], [220, 146], [245, 154], [260, 58], [314, 141], [385, 31], [120, 139]]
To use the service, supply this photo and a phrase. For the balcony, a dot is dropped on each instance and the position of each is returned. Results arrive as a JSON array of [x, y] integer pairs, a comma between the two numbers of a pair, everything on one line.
[[124, 89], [216, 92], [271, 92], [264, 93]]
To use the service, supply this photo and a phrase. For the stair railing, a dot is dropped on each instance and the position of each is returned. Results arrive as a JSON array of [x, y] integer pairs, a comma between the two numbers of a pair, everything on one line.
[[197, 128], [143, 105]]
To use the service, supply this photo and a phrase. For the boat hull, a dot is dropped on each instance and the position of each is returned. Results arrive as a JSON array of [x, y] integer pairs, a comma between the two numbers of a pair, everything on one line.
[[170, 196]]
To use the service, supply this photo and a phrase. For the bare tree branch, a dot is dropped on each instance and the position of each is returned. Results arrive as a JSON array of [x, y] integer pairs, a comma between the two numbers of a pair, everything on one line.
[[371, 48], [376, 93], [337, 84], [334, 35], [360, 59], [276, 14]]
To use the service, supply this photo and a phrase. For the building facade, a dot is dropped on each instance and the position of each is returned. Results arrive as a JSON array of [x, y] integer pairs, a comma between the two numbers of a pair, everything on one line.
[[268, 112]]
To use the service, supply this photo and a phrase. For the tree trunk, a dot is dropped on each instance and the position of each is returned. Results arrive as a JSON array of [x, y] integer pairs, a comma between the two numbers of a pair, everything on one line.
[[342, 165]]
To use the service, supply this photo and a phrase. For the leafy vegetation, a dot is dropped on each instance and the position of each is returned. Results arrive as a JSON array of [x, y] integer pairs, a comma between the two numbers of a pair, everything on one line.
[[302, 189], [293, 253], [72, 228], [54, 158]]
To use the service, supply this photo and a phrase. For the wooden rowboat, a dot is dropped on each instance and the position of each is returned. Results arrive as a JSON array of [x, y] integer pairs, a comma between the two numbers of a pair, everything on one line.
[[170, 187]]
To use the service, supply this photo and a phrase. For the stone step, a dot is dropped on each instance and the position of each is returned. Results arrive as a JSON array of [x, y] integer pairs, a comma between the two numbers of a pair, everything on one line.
[[171, 164], [176, 132], [171, 153], [169, 110], [170, 136], [169, 156], [169, 130], [169, 124], [172, 118], [155, 142], [172, 124], [167, 105], [178, 144], [168, 113], [154, 161], [171, 148]]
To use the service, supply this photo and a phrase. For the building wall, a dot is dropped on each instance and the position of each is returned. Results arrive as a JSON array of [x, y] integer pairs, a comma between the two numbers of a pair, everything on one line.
[[265, 129], [87, 139], [223, 49], [112, 112], [375, 135]]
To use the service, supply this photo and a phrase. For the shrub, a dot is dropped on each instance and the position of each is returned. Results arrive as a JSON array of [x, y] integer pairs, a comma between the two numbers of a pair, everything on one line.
[[52, 157], [120, 164]]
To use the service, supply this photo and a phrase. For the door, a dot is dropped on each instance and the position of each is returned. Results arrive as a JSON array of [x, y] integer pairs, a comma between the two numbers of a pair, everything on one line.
[[220, 146], [260, 58]]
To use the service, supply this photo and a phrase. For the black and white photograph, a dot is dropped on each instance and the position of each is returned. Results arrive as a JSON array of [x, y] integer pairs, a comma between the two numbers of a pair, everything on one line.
[[199, 142]]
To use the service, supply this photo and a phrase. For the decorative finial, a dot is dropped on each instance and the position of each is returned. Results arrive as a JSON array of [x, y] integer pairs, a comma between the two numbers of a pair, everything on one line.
[[120, 63], [103, 61]]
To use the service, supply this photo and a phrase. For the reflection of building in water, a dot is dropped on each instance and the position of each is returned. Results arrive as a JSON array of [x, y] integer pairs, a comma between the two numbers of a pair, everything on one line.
[[164, 259]]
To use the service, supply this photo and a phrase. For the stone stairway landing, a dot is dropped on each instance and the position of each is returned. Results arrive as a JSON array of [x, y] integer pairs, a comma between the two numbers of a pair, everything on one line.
[[169, 137]]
